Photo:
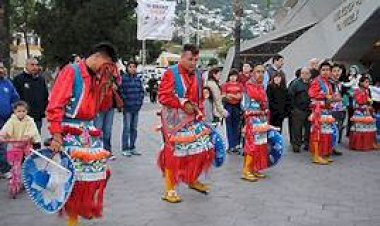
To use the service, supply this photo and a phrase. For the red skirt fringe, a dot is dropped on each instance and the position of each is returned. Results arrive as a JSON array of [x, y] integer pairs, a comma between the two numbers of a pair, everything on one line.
[[362, 141], [86, 199], [185, 169], [324, 144], [260, 156]]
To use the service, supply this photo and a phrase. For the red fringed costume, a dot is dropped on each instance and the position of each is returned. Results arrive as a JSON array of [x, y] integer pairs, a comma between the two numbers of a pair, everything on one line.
[[73, 104], [321, 130], [188, 151], [363, 129], [255, 106]]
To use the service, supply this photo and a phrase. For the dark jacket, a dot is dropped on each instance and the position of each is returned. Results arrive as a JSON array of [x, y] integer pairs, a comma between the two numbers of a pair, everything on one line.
[[298, 93], [33, 91], [8, 96], [132, 92], [279, 103], [153, 85]]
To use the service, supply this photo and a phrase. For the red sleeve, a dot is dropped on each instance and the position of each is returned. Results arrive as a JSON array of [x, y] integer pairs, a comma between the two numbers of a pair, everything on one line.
[[166, 91], [361, 97], [59, 98], [315, 91]]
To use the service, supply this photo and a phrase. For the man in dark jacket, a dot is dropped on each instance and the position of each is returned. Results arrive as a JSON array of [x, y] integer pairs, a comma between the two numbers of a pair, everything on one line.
[[32, 89], [276, 66], [132, 91], [153, 89], [300, 101], [8, 96]]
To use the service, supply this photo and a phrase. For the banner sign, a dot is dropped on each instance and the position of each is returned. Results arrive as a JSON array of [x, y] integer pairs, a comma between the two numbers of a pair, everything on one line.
[[155, 19]]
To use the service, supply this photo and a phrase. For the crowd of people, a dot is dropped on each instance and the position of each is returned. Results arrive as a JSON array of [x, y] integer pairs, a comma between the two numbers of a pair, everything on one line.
[[323, 88], [320, 102]]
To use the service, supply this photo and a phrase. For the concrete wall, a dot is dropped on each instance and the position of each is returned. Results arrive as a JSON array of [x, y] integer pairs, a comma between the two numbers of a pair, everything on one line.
[[325, 39]]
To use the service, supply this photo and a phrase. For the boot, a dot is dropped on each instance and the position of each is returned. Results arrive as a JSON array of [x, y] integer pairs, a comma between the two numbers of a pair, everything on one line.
[[259, 175], [247, 174], [199, 187], [72, 221], [329, 159], [316, 158], [170, 195]]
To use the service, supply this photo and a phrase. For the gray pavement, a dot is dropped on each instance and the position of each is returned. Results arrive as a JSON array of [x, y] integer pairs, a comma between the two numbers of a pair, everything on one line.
[[296, 193]]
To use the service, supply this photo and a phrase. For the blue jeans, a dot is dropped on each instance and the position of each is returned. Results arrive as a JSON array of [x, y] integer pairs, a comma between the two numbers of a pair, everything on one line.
[[104, 121], [232, 124], [130, 121], [4, 166]]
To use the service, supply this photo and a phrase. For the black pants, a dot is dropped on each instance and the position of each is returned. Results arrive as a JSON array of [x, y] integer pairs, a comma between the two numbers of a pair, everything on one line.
[[349, 123], [277, 120], [290, 128], [153, 96], [300, 128]]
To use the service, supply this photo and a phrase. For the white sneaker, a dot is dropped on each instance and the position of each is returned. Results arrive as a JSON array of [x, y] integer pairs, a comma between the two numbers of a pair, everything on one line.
[[112, 157], [8, 175]]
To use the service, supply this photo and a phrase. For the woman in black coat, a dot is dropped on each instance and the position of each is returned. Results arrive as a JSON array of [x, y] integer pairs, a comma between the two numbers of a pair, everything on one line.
[[279, 103]]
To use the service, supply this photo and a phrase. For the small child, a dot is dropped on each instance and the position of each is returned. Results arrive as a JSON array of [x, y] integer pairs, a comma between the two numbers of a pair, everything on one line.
[[21, 126], [208, 105]]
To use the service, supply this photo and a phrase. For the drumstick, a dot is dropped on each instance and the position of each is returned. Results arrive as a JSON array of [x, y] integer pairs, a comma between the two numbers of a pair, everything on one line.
[[51, 161]]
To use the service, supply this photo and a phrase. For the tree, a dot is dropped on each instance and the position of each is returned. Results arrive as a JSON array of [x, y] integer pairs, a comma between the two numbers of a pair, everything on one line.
[[223, 51], [22, 17], [154, 49], [4, 33], [213, 41], [74, 26], [213, 61]]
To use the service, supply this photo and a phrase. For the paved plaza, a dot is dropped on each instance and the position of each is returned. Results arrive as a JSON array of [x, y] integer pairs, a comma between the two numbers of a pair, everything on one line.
[[296, 193]]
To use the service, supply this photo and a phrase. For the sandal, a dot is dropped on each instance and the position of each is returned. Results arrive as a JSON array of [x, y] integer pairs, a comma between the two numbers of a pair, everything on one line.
[[249, 177], [199, 187], [171, 197]]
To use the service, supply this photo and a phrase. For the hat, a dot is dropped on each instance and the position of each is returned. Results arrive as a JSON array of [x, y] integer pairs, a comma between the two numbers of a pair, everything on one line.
[[48, 179]]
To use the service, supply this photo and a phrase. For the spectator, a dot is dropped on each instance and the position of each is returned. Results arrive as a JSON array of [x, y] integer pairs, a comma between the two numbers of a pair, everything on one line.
[[246, 74], [313, 67], [208, 105], [278, 99], [8, 96], [153, 88], [290, 126], [33, 90], [132, 91], [338, 109], [276, 66], [300, 101], [213, 82], [232, 90], [21, 126]]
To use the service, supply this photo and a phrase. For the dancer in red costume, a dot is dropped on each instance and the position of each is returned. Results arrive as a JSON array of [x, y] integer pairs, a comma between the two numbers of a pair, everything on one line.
[[363, 129], [188, 150], [74, 102], [321, 96], [255, 106]]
